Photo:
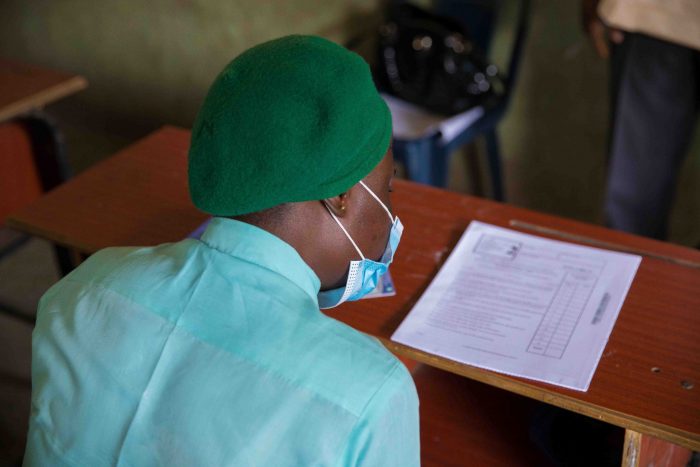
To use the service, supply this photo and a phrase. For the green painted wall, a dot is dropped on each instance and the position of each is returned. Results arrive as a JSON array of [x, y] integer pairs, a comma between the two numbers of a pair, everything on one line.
[[150, 62]]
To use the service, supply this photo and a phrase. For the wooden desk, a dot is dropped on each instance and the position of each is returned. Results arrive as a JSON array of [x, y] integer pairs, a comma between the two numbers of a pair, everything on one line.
[[139, 197], [26, 87], [31, 150]]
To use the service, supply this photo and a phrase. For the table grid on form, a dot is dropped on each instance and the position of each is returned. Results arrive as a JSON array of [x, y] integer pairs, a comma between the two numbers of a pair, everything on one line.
[[559, 321]]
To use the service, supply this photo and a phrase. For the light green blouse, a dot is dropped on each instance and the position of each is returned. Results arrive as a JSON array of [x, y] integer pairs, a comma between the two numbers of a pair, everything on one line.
[[210, 353]]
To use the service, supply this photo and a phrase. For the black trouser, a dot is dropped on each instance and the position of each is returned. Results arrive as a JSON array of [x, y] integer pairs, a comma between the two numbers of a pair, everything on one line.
[[655, 94]]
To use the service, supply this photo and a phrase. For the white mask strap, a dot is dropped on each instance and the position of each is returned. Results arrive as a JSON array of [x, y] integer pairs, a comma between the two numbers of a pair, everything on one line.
[[344, 231], [378, 200]]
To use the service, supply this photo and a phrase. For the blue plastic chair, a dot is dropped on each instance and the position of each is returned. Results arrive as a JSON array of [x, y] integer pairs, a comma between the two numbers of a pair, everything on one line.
[[426, 159]]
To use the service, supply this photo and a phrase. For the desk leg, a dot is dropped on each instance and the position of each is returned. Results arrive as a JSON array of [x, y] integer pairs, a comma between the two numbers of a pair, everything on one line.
[[68, 259], [644, 450]]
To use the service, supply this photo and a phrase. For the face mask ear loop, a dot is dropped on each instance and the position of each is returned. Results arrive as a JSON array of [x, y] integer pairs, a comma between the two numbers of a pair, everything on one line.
[[391, 218], [344, 231]]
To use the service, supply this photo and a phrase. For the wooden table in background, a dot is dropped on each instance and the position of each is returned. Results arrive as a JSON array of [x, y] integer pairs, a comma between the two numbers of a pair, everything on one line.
[[139, 197], [32, 156], [25, 87]]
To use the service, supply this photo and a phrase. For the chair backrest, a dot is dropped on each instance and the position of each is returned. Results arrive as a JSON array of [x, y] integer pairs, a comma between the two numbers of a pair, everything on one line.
[[20, 183], [31, 163]]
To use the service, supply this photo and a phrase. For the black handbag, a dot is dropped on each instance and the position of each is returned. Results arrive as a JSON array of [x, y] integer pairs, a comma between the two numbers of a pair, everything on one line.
[[430, 61]]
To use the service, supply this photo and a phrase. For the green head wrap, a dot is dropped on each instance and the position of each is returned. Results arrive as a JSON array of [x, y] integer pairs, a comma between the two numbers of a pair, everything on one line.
[[294, 119]]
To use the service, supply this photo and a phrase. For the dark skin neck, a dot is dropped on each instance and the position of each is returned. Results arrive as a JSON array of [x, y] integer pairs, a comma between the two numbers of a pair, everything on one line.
[[315, 245], [310, 229]]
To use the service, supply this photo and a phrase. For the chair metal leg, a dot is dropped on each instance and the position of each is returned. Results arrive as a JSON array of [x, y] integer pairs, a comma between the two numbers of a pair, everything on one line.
[[494, 160], [440, 163], [65, 259], [474, 172]]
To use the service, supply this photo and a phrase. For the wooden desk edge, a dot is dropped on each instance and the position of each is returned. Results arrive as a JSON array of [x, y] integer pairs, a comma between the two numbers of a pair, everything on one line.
[[682, 438], [20, 226], [42, 98]]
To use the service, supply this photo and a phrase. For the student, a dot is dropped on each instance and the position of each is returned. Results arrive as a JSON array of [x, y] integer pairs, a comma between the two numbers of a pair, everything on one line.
[[215, 352]]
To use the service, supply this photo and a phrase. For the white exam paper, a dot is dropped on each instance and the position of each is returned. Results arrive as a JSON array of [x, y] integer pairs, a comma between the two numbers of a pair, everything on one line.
[[522, 305]]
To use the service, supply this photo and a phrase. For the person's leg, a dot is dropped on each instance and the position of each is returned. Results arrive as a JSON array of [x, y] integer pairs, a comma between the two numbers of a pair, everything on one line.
[[654, 89]]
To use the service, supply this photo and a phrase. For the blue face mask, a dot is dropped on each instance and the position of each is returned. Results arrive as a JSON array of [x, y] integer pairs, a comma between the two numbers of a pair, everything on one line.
[[363, 275]]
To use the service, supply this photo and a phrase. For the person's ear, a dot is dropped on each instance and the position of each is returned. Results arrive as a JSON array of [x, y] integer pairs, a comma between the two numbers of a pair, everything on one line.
[[338, 204]]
